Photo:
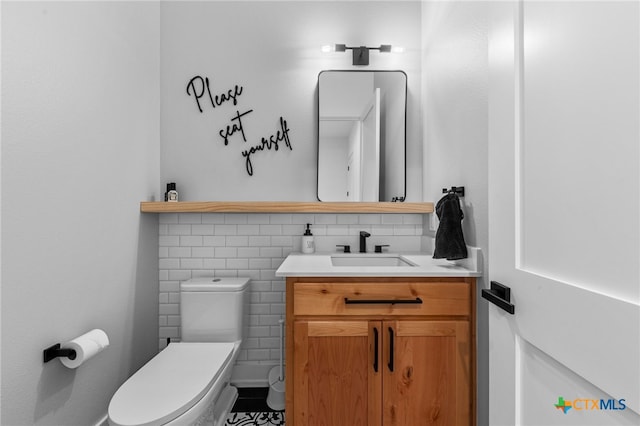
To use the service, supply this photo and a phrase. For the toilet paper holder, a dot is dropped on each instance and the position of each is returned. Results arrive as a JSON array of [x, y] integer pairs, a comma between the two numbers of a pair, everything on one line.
[[55, 351]]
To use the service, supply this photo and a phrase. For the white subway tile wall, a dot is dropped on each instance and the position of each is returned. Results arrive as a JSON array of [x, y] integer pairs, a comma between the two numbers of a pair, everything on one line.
[[254, 245]]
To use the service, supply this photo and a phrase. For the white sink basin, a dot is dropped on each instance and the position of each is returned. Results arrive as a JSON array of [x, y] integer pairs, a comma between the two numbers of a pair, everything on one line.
[[370, 260]]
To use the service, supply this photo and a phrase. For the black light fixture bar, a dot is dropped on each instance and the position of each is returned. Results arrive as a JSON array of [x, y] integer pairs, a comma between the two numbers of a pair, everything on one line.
[[361, 53]]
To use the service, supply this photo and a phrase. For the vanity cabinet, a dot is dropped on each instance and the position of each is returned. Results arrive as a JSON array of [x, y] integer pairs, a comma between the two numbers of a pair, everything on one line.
[[380, 351]]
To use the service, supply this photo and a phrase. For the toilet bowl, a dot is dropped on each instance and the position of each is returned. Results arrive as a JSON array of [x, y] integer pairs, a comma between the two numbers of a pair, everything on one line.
[[188, 383]]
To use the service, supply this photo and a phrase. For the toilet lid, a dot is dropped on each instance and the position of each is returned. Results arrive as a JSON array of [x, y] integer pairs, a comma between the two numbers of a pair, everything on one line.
[[169, 384]]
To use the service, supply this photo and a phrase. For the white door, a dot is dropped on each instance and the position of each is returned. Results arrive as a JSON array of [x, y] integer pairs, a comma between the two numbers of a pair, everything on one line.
[[352, 188], [371, 149], [564, 212], [354, 162]]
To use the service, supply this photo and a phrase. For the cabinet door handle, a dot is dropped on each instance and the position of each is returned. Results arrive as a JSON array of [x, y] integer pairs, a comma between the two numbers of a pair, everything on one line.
[[375, 349], [416, 301], [390, 364]]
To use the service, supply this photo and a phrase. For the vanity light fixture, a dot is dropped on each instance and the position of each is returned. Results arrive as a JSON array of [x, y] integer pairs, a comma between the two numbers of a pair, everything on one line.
[[360, 53]]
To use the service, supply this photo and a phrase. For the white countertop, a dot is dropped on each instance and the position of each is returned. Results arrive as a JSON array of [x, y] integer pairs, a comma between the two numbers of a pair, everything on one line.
[[319, 265]]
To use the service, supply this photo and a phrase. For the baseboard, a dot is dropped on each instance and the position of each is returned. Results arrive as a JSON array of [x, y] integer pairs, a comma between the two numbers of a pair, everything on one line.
[[251, 375]]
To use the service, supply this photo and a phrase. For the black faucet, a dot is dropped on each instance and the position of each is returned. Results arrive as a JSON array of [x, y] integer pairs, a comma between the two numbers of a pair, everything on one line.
[[363, 241]]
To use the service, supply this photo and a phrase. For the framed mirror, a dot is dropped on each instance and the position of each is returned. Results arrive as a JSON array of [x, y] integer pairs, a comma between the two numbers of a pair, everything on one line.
[[362, 135]]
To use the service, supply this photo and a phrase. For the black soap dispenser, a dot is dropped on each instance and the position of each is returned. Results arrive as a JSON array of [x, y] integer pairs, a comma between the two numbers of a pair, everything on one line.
[[308, 245]]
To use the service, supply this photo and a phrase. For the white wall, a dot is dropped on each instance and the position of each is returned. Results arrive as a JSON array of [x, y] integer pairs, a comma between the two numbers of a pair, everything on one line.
[[455, 108], [344, 94], [272, 50], [80, 131]]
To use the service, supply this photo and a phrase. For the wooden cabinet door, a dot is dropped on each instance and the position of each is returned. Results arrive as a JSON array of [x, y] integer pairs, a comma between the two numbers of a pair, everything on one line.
[[427, 373], [335, 381]]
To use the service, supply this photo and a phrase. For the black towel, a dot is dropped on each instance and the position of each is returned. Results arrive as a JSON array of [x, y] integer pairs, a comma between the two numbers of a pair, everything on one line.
[[449, 239]]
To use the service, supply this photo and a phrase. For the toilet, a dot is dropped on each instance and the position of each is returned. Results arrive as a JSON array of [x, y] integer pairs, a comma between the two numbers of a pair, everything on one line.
[[188, 382]]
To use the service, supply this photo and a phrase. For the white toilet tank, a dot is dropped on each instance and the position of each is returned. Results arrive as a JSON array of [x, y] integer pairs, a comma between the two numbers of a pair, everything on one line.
[[214, 309]]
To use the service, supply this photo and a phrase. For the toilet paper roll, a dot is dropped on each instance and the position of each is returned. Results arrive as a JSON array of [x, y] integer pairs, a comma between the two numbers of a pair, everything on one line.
[[86, 346]]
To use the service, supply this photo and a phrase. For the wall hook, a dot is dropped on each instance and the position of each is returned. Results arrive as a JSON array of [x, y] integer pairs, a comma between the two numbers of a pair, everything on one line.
[[454, 190]]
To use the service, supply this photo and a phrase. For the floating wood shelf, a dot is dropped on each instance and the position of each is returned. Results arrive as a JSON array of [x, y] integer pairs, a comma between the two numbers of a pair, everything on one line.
[[281, 207]]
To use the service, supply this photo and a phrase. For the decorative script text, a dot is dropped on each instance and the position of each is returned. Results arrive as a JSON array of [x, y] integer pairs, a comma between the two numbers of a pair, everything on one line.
[[201, 89]]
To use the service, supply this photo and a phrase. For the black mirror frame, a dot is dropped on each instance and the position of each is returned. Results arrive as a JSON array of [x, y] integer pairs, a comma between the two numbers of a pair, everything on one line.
[[404, 195]]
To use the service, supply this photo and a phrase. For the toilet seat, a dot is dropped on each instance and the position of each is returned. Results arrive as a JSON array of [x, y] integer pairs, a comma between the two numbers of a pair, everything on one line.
[[169, 384]]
